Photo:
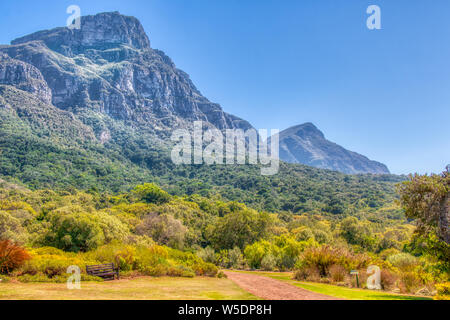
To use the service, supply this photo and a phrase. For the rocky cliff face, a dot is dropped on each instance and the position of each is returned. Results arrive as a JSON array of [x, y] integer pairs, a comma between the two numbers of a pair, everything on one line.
[[108, 67], [306, 144], [105, 30], [25, 77]]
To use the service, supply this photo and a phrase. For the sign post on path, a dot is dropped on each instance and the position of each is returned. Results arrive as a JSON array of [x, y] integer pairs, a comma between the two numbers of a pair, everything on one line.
[[355, 272]]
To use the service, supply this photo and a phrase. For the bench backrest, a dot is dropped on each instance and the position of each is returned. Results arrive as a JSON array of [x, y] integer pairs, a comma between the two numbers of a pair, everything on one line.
[[101, 268]]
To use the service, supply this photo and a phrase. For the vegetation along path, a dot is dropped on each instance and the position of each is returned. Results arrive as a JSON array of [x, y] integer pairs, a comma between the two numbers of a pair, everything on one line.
[[271, 289]]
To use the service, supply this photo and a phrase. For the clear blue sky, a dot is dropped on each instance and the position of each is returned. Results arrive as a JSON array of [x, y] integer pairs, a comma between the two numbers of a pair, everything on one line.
[[382, 93]]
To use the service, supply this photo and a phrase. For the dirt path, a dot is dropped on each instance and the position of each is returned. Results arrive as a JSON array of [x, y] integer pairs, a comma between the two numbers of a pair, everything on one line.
[[271, 289]]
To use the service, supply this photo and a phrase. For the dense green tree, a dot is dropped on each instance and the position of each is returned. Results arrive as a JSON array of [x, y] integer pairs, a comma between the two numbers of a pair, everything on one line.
[[357, 233], [74, 232], [151, 193], [240, 228], [11, 228], [164, 229], [426, 199]]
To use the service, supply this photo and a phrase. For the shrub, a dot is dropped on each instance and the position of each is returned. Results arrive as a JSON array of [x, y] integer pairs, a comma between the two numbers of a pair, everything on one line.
[[156, 271], [255, 252], [443, 291], [52, 263], [153, 261], [287, 250], [222, 259], [362, 277], [180, 271], [11, 228], [304, 234], [154, 256], [113, 229], [11, 256], [388, 252], [236, 258], [126, 258], [207, 254], [163, 229], [338, 273], [321, 236], [86, 277], [321, 258], [305, 273], [268, 263], [40, 277], [403, 261], [205, 269], [409, 282], [388, 280], [4, 279]]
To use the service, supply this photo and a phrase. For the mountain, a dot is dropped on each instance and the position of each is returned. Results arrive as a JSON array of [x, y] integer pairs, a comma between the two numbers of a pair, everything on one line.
[[108, 67], [93, 109], [306, 144]]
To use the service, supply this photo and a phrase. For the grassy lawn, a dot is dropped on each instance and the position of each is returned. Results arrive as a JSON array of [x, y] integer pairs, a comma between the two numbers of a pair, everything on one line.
[[145, 288], [336, 291]]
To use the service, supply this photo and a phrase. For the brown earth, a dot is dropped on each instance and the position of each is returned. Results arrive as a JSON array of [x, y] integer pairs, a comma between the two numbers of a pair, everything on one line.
[[271, 289]]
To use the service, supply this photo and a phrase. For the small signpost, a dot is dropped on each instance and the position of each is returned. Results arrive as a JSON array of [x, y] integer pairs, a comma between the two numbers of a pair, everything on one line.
[[356, 273]]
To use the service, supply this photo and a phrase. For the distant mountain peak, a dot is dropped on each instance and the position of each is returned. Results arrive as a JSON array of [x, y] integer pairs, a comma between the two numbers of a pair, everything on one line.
[[306, 144], [307, 128], [103, 29]]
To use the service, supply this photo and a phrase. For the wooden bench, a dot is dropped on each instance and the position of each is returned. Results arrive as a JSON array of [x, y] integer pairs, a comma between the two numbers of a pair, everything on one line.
[[105, 271]]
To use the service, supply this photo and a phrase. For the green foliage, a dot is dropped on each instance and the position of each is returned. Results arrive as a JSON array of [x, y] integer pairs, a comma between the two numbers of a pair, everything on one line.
[[255, 253], [427, 200], [39, 277], [140, 237], [324, 257], [357, 233], [403, 261], [164, 229], [151, 193], [207, 254], [229, 259], [75, 232], [268, 263], [236, 258], [11, 228], [304, 234], [240, 228], [50, 264], [443, 291]]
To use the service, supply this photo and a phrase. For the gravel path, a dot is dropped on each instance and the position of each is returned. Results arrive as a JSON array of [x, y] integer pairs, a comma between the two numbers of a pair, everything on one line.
[[271, 289]]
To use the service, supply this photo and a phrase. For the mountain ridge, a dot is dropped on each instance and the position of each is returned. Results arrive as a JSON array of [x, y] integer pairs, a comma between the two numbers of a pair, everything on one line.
[[306, 144]]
